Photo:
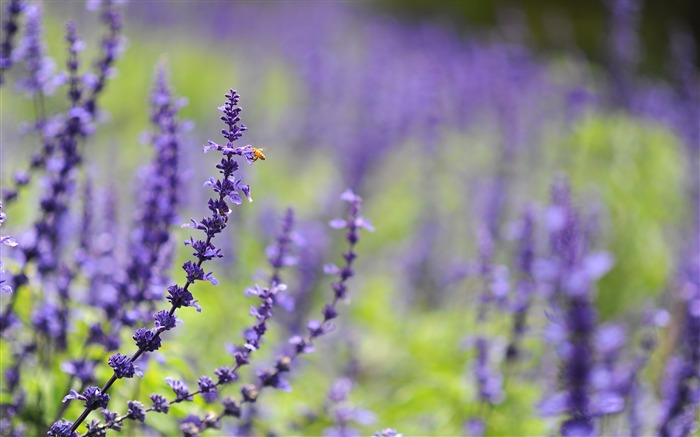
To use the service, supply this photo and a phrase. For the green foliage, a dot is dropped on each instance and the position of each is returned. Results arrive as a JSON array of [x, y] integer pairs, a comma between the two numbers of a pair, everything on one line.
[[636, 168]]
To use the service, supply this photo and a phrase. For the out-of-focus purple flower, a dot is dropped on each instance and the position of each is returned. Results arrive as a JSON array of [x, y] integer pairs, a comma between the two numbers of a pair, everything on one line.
[[489, 381], [158, 198], [344, 414], [573, 327], [160, 404], [75, 46], [623, 48], [83, 370], [388, 432], [112, 46], [191, 426], [46, 320], [475, 427], [10, 26], [225, 375], [681, 398], [207, 388], [231, 407], [40, 68], [182, 392], [525, 287], [5, 240], [278, 254], [62, 428]]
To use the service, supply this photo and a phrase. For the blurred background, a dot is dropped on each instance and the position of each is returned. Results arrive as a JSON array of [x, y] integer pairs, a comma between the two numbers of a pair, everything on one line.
[[451, 119]]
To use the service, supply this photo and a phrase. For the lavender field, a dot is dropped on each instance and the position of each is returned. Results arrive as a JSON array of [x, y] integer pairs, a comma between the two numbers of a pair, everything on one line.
[[307, 218]]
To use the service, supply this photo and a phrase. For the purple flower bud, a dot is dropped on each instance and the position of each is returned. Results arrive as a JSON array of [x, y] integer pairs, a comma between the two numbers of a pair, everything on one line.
[[250, 393], [122, 366], [111, 420], [225, 375], [92, 396], [165, 320], [62, 429], [231, 407], [136, 411], [160, 404], [207, 388], [146, 339], [182, 392]]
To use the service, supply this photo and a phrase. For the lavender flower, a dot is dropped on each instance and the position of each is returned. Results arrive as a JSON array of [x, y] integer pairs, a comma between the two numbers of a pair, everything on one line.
[[489, 381], [83, 370], [524, 289], [31, 51], [92, 396], [9, 29], [623, 46], [136, 411], [123, 366], [278, 254], [388, 432], [680, 396], [227, 188], [112, 45], [342, 413], [578, 318], [75, 46], [63, 428], [158, 201], [5, 240], [272, 377]]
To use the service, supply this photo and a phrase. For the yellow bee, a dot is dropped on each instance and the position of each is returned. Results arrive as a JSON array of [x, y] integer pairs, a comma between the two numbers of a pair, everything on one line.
[[258, 154]]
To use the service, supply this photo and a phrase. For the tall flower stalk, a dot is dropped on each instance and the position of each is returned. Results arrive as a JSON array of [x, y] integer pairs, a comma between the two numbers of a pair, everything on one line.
[[226, 188]]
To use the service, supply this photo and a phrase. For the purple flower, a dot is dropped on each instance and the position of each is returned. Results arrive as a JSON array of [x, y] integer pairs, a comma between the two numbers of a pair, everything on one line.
[[122, 366], [207, 388], [136, 411], [231, 407], [75, 45], [62, 428], [31, 51], [112, 46], [180, 297], [9, 29], [95, 429], [575, 322], [623, 48], [272, 378], [182, 392], [191, 426], [225, 375], [92, 396], [160, 404], [165, 320], [489, 381], [147, 339], [475, 427], [388, 432], [158, 200], [278, 254], [680, 389]]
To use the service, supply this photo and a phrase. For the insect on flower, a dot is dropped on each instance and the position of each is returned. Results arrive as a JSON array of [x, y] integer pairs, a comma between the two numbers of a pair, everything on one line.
[[258, 154]]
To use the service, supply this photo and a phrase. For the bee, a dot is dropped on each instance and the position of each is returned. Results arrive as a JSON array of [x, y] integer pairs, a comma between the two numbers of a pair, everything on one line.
[[258, 154]]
